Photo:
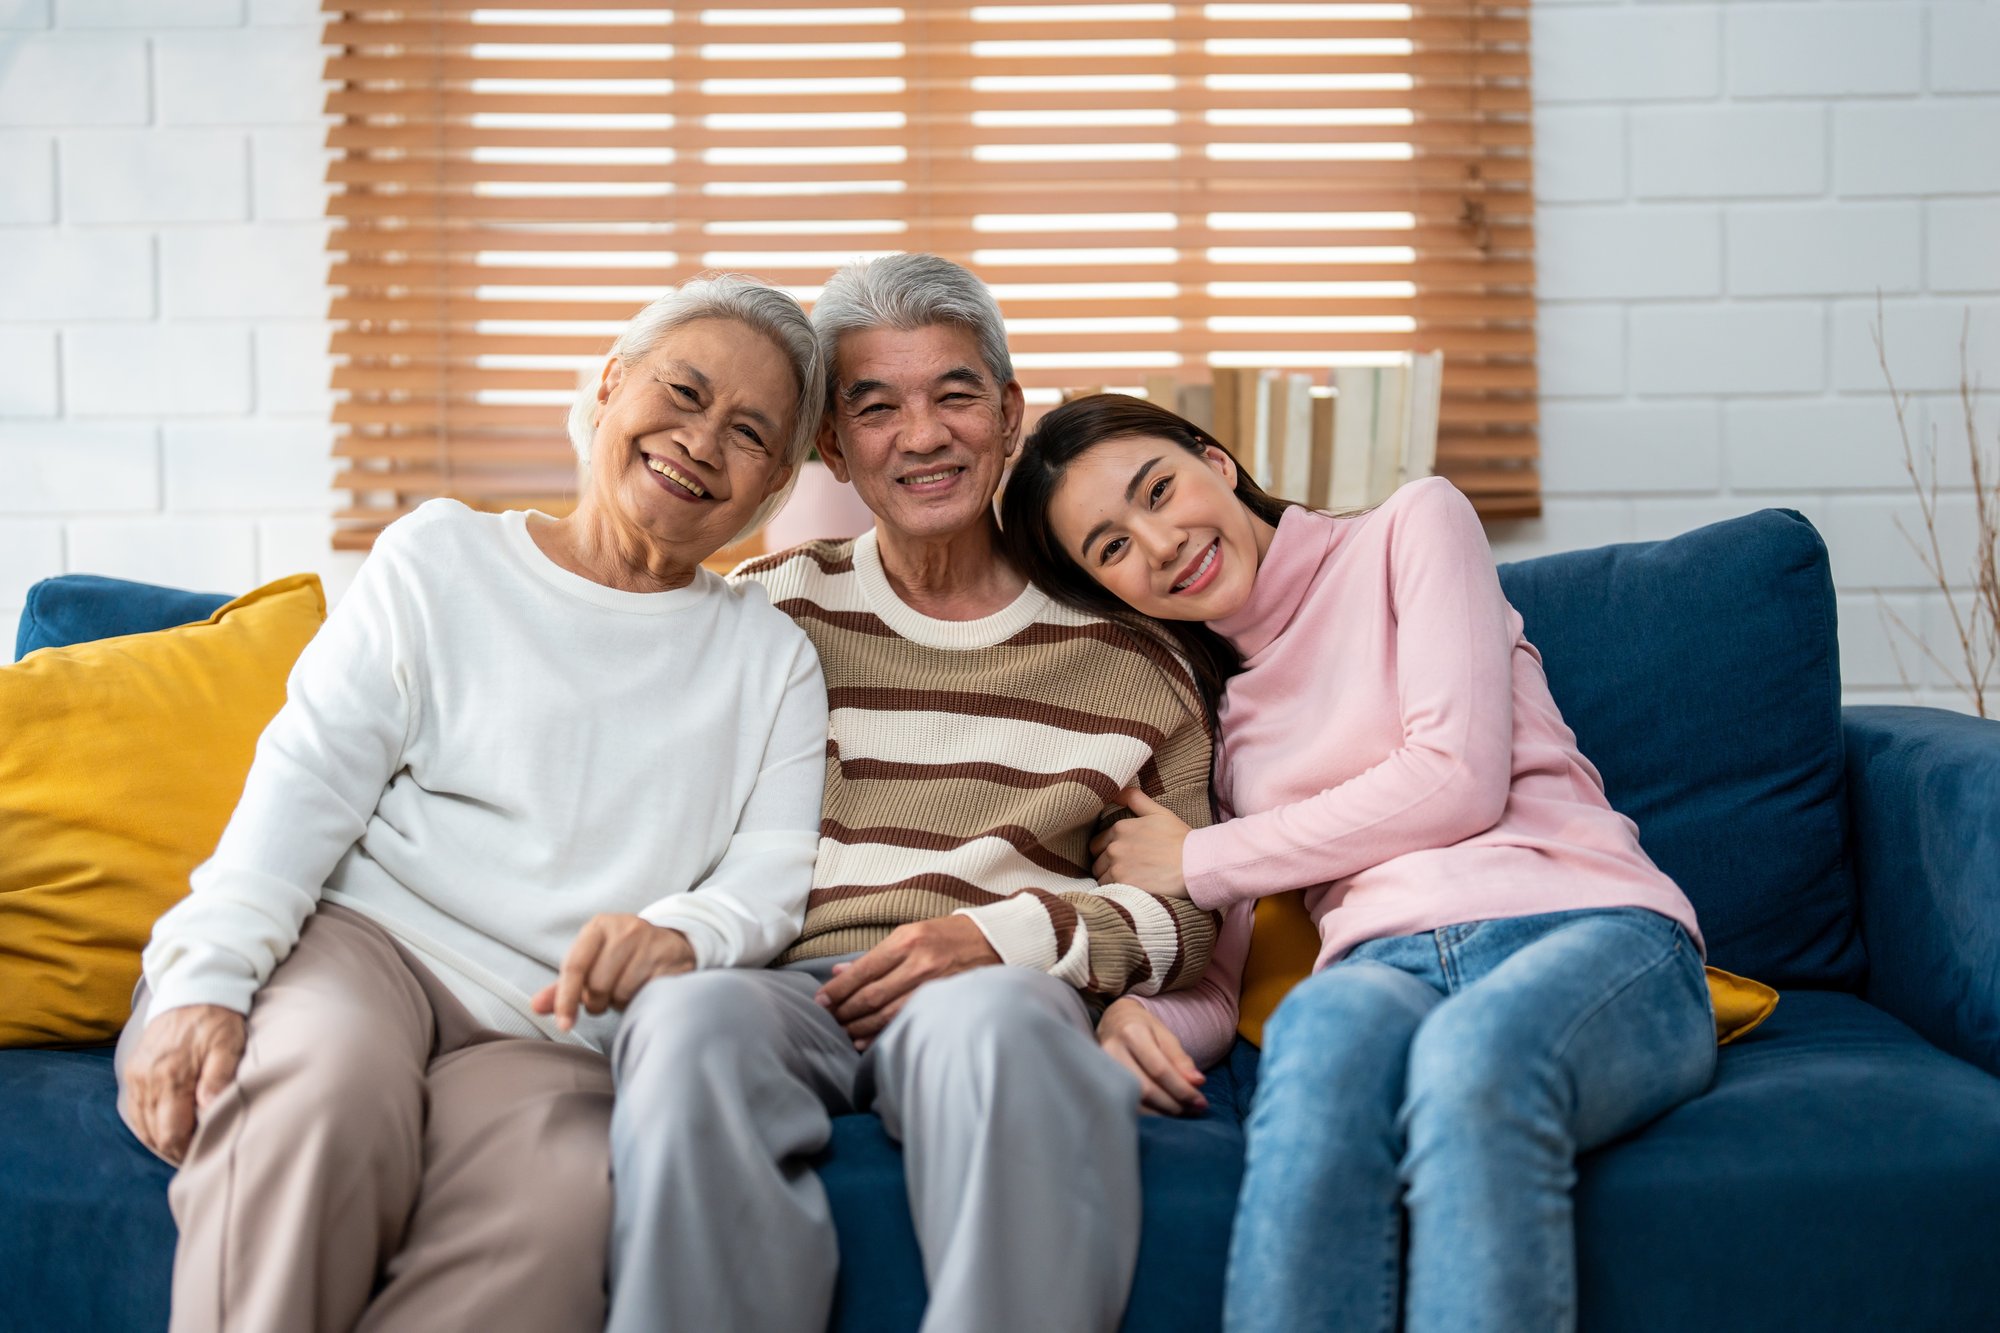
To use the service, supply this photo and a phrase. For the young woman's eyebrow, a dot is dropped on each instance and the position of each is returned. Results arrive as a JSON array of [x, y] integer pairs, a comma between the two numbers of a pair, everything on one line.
[[1131, 493]]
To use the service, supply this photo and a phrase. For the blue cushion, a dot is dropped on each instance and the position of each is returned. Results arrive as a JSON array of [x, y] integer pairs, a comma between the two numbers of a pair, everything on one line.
[[79, 608], [1702, 676], [86, 1241], [1842, 1174]]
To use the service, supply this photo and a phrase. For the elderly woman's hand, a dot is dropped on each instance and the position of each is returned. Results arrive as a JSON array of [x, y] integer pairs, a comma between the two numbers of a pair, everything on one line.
[[612, 957], [1143, 851], [185, 1059]]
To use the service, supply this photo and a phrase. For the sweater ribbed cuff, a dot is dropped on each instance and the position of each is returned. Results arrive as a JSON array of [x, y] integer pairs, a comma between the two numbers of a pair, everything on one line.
[[1019, 930]]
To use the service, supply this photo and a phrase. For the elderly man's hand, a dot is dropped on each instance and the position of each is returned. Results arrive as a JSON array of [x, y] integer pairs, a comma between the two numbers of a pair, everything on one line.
[[1143, 851], [185, 1059], [612, 957], [866, 993]]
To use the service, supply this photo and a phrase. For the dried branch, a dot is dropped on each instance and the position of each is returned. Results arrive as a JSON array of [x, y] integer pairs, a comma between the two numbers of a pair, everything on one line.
[[1977, 626]]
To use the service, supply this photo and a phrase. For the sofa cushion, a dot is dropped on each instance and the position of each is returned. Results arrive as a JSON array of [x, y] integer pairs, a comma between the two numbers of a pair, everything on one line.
[[84, 1226], [77, 608], [121, 763], [1702, 676], [1842, 1173]]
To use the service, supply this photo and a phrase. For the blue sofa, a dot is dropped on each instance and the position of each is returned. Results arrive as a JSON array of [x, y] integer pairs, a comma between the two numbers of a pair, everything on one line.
[[1842, 1173]]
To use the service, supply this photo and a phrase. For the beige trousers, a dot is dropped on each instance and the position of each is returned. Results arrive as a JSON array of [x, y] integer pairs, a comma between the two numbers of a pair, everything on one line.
[[381, 1163]]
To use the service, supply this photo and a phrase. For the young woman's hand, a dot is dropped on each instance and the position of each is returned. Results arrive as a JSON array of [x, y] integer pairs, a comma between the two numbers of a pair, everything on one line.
[[1169, 1084], [1143, 851], [186, 1057], [610, 959]]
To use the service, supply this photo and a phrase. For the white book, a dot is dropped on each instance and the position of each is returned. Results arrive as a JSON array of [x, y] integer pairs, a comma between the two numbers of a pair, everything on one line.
[[1426, 400], [1388, 430], [1294, 479], [1257, 384], [1197, 404], [1353, 437]]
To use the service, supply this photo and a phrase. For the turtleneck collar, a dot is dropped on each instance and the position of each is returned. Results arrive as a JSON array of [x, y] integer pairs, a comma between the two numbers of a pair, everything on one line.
[[1296, 552]]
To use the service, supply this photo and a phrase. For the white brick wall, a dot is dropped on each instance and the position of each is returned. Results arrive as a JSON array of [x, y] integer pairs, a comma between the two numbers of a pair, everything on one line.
[[163, 364], [1723, 190]]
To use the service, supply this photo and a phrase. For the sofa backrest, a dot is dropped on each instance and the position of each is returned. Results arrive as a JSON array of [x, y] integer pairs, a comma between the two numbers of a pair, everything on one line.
[[1702, 676]]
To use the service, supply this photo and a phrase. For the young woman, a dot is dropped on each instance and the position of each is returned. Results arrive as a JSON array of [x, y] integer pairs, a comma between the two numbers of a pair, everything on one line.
[[1504, 979]]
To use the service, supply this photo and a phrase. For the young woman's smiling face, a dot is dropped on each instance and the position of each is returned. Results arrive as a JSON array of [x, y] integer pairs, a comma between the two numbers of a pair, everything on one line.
[[1160, 527]]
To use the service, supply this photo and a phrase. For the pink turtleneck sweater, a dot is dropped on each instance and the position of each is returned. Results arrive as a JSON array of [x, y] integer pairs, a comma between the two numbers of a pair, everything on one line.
[[1391, 746]]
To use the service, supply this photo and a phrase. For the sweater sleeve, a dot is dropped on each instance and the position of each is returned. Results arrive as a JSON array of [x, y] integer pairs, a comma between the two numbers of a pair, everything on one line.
[[1203, 1016], [1114, 939], [753, 904], [318, 772], [1450, 777]]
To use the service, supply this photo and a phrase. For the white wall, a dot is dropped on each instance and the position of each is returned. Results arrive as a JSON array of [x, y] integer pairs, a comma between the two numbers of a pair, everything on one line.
[[162, 298], [1723, 188]]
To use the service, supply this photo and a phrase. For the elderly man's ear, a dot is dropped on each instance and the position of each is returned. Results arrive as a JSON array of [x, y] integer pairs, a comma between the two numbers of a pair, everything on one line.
[[829, 449], [1013, 406]]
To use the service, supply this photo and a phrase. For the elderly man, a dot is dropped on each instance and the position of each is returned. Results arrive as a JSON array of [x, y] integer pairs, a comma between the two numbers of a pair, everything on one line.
[[955, 943]]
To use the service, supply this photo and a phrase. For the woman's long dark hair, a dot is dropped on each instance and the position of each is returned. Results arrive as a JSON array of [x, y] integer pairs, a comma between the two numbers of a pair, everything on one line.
[[1058, 440]]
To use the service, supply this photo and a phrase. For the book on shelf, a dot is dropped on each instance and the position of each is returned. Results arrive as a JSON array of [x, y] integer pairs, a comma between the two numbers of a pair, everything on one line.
[[1343, 445], [1197, 404], [1292, 448], [1385, 423]]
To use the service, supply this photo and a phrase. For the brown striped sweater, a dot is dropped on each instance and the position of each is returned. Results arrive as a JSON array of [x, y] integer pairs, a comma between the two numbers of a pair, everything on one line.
[[970, 763]]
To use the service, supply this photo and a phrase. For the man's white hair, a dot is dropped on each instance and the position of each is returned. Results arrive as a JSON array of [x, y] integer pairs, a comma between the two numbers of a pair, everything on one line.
[[908, 292], [749, 302]]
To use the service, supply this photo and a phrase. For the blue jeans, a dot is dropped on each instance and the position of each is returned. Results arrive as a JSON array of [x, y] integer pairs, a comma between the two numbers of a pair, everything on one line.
[[1445, 1082]]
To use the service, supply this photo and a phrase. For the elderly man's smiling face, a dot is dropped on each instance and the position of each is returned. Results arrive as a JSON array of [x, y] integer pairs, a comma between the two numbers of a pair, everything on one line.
[[688, 442], [921, 427]]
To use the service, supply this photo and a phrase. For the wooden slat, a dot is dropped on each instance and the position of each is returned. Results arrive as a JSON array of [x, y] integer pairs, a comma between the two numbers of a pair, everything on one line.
[[421, 211]]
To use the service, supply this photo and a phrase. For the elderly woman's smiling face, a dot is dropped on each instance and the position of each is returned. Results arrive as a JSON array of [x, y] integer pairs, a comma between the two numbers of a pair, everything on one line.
[[689, 441]]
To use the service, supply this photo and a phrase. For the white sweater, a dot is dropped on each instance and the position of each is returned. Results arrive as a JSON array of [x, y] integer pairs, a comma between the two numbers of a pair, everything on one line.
[[481, 750]]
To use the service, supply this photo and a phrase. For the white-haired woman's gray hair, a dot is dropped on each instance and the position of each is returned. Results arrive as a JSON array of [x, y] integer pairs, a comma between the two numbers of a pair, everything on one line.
[[748, 301], [910, 291]]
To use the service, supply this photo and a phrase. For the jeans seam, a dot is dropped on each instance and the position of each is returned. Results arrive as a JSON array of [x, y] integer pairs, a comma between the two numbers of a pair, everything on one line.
[[1562, 1046]]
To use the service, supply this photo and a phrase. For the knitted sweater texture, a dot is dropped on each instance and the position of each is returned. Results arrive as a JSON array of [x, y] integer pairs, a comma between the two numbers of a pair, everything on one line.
[[969, 763]]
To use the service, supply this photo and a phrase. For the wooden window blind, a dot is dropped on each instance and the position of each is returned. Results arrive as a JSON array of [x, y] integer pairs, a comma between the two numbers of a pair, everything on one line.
[[1147, 187]]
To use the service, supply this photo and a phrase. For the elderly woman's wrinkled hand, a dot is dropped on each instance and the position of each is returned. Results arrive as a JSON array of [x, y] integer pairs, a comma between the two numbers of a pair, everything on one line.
[[612, 957], [1144, 850], [185, 1060]]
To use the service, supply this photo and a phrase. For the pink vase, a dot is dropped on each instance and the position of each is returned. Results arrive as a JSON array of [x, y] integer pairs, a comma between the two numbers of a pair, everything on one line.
[[820, 507]]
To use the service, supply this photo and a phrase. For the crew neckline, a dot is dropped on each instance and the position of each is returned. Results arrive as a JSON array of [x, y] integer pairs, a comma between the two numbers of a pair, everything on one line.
[[929, 631], [575, 585]]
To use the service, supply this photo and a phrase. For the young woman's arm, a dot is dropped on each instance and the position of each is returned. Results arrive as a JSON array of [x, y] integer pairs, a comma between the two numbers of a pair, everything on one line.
[[1448, 780], [1203, 1017]]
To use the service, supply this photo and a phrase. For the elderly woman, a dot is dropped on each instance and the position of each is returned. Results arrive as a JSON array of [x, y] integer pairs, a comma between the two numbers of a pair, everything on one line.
[[528, 765]]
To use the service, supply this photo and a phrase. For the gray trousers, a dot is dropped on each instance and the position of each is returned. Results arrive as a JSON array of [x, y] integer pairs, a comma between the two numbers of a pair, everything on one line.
[[1020, 1147]]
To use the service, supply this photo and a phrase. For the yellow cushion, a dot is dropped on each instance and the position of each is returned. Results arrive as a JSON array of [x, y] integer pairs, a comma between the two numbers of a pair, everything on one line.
[[120, 762], [1284, 943], [1740, 1004]]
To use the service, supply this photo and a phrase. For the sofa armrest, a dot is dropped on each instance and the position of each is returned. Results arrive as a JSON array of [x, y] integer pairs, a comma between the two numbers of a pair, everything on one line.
[[1923, 793]]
